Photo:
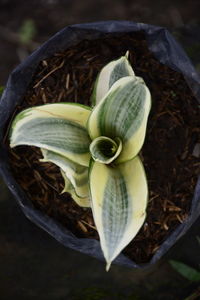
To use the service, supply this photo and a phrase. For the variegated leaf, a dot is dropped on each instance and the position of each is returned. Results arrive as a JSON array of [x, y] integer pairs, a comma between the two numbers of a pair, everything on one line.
[[123, 114], [109, 75], [77, 174], [118, 200], [56, 127], [68, 188], [105, 150]]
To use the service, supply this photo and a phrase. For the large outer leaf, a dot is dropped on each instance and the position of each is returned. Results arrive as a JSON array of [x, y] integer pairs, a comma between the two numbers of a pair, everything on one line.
[[109, 75], [118, 200], [77, 174], [123, 114], [56, 127]]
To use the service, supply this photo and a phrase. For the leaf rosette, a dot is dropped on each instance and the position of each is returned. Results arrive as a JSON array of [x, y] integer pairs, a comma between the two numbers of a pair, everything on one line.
[[97, 151]]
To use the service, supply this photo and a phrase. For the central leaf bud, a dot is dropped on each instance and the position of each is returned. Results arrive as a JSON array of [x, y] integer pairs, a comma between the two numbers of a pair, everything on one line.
[[105, 150]]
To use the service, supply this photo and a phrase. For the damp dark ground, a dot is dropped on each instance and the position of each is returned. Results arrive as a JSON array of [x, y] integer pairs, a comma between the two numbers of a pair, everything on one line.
[[32, 264]]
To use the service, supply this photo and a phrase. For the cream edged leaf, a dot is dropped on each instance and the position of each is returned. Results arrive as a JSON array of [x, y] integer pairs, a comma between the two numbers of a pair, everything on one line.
[[105, 150], [77, 175], [68, 188], [118, 200], [56, 127], [123, 114], [113, 71]]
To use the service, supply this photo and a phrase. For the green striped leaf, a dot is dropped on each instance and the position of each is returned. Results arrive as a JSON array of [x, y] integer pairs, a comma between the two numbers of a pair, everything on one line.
[[118, 201], [105, 150], [109, 75], [123, 114], [68, 188], [76, 174], [56, 127]]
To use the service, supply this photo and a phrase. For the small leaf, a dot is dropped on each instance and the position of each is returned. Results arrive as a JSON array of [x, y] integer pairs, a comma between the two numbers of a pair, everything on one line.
[[76, 174], [186, 271], [123, 114], [84, 202], [109, 75], [105, 150], [56, 127], [118, 201]]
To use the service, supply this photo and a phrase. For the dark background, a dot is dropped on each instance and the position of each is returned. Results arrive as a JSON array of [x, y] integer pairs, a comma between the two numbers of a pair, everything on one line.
[[32, 264]]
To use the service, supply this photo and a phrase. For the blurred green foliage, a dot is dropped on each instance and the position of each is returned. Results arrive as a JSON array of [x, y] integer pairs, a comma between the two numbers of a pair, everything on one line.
[[1, 90], [27, 31], [186, 271]]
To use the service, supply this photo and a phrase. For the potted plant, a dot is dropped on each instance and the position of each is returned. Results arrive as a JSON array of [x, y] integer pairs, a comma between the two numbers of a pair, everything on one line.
[[65, 70]]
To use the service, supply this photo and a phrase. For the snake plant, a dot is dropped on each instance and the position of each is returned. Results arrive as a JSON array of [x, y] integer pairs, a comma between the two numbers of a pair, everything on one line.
[[96, 149]]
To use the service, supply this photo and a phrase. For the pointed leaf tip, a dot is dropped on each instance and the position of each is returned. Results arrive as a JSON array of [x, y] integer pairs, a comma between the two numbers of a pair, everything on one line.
[[127, 54], [112, 72], [108, 266]]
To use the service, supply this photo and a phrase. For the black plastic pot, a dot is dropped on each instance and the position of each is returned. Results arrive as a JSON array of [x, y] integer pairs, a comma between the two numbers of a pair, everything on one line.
[[167, 51]]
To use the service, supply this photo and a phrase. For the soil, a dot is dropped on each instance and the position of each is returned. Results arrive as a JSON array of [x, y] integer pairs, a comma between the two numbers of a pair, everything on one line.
[[173, 131]]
